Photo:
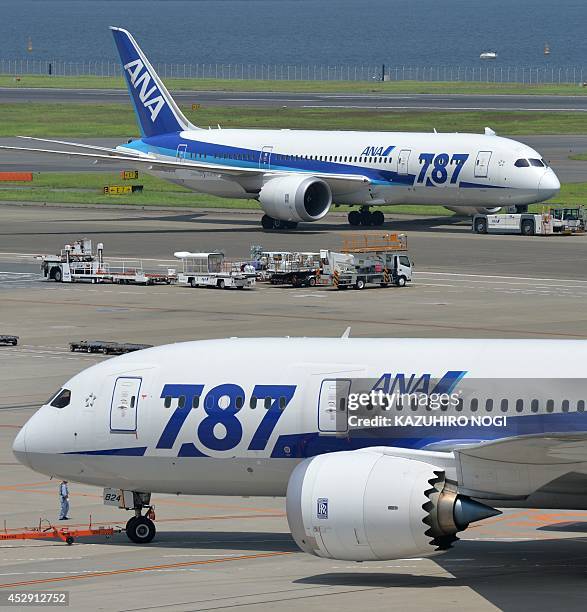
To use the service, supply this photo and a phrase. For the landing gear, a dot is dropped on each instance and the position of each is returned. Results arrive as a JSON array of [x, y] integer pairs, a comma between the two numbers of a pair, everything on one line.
[[269, 223], [140, 529], [365, 217]]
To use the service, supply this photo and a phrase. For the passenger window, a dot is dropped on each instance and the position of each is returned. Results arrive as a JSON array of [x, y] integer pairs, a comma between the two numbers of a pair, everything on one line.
[[253, 402], [549, 405], [520, 405], [267, 403], [167, 401], [62, 399], [180, 401], [534, 405], [133, 400], [196, 401], [459, 406], [504, 405], [489, 405], [581, 406], [565, 405], [521, 163], [474, 404], [240, 402], [341, 403]]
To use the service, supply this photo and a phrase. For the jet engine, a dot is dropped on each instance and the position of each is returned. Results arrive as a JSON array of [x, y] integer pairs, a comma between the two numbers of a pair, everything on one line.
[[474, 210], [366, 505], [296, 198]]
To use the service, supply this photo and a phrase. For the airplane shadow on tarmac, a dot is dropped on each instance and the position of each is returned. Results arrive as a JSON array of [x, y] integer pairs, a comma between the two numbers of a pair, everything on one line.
[[213, 540], [513, 576], [203, 222]]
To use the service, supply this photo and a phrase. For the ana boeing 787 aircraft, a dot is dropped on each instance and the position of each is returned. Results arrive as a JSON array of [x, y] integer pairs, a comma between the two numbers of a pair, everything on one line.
[[297, 175], [384, 448]]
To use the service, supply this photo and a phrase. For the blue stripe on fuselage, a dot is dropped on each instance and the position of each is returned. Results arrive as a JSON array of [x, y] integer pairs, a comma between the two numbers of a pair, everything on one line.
[[212, 153]]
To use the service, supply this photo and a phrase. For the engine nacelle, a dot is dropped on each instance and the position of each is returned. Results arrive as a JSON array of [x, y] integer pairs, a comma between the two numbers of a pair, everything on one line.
[[365, 505], [473, 210], [296, 198]]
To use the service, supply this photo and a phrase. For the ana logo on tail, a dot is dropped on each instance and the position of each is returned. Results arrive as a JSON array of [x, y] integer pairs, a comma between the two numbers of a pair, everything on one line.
[[141, 78]]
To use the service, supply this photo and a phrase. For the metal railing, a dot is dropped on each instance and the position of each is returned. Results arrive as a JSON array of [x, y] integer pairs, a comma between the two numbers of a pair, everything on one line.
[[486, 73]]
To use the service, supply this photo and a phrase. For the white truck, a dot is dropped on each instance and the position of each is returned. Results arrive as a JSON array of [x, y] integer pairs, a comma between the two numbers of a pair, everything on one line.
[[212, 270], [371, 260], [559, 220]]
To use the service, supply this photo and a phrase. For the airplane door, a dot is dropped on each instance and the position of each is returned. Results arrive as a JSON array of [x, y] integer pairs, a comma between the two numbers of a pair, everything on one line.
[[265, 158], [402, 161], [181, 152], [125, 399], [482, 164], [333, 406]]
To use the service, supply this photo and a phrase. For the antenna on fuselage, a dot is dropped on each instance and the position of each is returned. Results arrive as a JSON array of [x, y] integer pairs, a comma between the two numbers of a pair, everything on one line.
[[347, 333]]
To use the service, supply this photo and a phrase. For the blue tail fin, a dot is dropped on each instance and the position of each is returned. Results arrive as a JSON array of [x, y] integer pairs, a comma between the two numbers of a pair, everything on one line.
[[156, 111]]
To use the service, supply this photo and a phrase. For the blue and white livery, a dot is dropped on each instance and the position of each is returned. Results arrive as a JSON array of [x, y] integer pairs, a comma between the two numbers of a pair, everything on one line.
[[462, 425], [297, 175]]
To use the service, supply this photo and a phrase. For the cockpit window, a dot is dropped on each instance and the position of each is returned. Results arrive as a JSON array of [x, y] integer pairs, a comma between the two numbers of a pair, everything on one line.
[[537, 162], [62, 399], [521, 163]]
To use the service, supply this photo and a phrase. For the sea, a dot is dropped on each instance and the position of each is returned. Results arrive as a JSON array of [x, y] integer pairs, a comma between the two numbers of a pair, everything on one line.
[[302, 32]]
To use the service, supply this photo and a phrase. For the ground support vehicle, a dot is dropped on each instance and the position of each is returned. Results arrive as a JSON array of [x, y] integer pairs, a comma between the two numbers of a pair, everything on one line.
[[78, 263], [374, 260], [526, 224], [298, 269], [8, 339], [213, 270], [105, 347]]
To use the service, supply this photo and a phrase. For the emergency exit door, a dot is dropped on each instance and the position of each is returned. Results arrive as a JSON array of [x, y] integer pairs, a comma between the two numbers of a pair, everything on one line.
[[333, 406], [482, 164], [125, 399]]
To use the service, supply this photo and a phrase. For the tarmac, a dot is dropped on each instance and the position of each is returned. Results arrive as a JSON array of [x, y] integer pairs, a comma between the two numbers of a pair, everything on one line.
[[268, 99], [216, 553]]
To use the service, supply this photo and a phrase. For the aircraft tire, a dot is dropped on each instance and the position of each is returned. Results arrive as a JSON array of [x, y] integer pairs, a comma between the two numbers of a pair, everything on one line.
[[354, 217], [267, 222], [377, 218], [140, 530]]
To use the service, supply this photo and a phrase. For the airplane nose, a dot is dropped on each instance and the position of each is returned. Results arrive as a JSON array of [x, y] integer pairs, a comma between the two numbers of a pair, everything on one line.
[[19, 447], [549, 183]]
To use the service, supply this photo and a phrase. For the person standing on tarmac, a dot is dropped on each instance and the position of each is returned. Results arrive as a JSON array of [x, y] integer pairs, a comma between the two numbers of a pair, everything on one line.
[[64, 497]]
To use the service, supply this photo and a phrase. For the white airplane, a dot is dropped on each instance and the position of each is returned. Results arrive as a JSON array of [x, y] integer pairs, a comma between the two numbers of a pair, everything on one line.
[[297, 175], [474, 423]]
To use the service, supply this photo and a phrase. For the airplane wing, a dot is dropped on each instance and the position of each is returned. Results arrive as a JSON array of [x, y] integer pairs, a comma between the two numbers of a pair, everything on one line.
[[103, 155], [516, 467], [79, 145], [509, 468]]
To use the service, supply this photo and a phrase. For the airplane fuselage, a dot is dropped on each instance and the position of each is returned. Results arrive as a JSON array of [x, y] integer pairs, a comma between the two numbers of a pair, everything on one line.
[[458, 170]]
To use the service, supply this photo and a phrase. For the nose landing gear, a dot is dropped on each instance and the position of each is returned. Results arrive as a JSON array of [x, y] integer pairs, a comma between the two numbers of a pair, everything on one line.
[[365, 217]]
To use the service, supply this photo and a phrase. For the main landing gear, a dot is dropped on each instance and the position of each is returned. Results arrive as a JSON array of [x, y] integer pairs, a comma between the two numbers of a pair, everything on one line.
[[269, 223], [365, 217]]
